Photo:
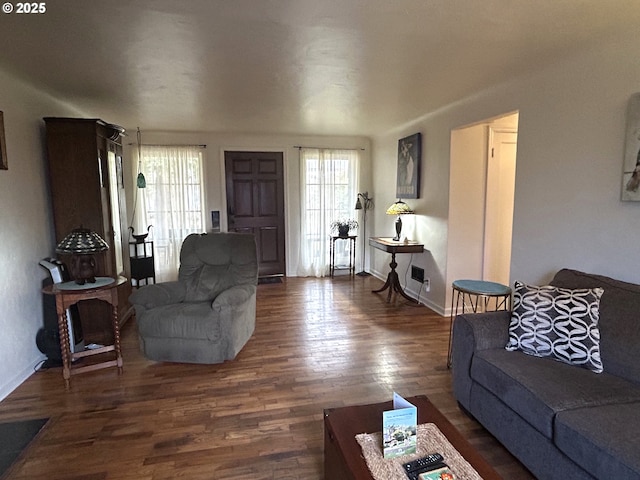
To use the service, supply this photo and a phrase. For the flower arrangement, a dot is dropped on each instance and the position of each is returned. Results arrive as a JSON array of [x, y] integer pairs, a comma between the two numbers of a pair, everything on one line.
[[343, 227]]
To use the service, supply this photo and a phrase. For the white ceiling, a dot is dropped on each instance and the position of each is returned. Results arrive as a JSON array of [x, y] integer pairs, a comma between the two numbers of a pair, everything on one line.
[[326, 67]]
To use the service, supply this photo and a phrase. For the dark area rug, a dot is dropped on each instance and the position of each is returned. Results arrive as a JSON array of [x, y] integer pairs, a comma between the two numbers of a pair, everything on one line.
[[15, 437], [266, 280]]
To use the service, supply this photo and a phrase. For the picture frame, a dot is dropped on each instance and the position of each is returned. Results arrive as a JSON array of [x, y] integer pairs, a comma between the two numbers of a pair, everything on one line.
[[409, 166], [631, 166], [4, 164]]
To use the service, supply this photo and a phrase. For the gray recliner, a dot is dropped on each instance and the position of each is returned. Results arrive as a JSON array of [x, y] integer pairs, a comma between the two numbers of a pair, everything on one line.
[[209, 313]]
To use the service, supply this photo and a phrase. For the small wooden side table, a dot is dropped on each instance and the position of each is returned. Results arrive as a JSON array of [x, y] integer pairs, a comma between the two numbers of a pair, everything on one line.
[[391, 246], [142, 262], [69, 293], [352, 253]]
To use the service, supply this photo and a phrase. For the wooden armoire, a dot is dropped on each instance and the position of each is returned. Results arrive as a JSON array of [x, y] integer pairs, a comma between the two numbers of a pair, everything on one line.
[[87, 190]]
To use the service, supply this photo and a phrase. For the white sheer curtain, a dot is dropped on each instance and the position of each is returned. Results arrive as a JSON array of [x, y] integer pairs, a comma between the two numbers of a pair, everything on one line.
[[329, 187], [172, 202]]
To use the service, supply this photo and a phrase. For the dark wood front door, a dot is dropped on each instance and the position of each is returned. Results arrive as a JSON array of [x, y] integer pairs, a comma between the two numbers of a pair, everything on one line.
[[255, 204]]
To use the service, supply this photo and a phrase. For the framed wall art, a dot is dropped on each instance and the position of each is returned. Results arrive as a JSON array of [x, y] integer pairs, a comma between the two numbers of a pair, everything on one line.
[[631, 170], [408, 175], [4, 165]]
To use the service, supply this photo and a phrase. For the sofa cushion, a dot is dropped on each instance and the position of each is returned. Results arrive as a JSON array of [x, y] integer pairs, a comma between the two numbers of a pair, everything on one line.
[[604, 440], [538, 388], [557, 322], [181, 320], [619, 320]]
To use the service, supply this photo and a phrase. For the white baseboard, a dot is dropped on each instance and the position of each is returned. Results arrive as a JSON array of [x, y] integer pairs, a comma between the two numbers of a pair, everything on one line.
[[13, 383]]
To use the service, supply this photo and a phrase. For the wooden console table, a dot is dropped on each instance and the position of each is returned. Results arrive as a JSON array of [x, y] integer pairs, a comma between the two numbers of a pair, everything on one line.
[[67, 294], [391, 246]]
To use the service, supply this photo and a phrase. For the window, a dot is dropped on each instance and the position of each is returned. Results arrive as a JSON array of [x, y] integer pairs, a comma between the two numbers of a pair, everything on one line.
[[329, 191], [173, 201]]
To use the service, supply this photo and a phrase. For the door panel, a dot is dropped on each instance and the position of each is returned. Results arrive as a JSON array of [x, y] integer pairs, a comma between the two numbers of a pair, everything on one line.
[[268, 204], [242, 198], [268, 236], [500, 191], [255, 204]]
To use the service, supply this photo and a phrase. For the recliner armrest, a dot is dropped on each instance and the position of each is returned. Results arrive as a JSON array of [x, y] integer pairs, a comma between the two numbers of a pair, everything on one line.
[[166, 293], [233, 296]]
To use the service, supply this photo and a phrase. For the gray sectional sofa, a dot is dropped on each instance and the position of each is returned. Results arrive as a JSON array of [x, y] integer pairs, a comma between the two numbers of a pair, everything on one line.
[[560, 420]]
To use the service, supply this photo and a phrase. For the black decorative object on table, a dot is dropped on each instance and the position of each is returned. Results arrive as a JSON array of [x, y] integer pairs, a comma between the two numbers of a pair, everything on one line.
[[140, 237]]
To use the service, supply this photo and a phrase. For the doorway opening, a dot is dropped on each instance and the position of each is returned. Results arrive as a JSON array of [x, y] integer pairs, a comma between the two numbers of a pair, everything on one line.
[[481, 200]]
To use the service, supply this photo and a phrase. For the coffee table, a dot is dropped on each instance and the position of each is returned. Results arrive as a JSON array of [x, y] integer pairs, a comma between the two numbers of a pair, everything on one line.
[[343, 458]]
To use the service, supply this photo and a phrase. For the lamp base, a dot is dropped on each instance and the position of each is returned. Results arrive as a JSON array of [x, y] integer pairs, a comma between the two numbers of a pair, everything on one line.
[[398, 229], [83, 269], [363, 274]]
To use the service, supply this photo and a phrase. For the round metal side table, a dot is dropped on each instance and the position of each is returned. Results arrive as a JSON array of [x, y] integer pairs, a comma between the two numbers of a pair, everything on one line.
[[478, 295]]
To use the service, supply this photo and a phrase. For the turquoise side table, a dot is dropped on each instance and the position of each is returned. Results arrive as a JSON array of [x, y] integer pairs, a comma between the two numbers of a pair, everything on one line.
[[479, 295]]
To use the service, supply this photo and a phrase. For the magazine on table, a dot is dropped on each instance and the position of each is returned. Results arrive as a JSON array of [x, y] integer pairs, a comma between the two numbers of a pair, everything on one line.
[[399, 428]]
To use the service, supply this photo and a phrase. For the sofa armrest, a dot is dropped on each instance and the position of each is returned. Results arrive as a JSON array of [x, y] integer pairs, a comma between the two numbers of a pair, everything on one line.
[[151, 296], [472, 333], [233, 296]]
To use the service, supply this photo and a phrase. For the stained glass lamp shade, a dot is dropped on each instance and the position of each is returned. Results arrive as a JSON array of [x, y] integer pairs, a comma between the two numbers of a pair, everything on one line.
[[399, 208], [82, 243]]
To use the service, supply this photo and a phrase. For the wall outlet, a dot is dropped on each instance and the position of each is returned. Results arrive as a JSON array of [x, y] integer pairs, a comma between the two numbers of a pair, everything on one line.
[[427, 284], [417, 273]]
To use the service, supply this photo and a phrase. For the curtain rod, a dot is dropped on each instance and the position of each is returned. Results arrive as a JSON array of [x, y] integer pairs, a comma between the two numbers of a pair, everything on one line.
[[326, 148], [165, 145]]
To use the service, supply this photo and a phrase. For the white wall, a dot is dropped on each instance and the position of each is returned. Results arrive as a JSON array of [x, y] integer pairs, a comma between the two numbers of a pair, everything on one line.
[[468, 175], [569, 167], [26, 235], [217, 143]]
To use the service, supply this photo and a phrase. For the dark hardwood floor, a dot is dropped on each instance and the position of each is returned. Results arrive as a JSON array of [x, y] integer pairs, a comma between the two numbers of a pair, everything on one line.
[[318, 343]]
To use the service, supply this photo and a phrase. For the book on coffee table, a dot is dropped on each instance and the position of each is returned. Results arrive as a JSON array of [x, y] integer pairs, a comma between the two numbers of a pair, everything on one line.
[[440, 474], [399, 427]]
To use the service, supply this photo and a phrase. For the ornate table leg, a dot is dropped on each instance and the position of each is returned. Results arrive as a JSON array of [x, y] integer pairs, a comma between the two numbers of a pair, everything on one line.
[[63, 332], [393, 282], [116, 335], [332, 242], [390, 283]]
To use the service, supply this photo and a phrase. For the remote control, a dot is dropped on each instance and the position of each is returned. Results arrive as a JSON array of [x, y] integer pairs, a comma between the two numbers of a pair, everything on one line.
[[430, 462]]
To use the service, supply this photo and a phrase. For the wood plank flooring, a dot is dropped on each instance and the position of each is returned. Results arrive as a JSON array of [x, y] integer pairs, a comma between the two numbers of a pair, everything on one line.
[[318, 343]]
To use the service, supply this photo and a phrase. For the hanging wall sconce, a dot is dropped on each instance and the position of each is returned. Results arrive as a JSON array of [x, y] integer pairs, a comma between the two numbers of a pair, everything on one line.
[[141, 182]]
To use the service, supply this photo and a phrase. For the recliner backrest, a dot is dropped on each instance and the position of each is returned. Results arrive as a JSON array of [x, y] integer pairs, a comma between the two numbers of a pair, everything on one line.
[[212, 263]]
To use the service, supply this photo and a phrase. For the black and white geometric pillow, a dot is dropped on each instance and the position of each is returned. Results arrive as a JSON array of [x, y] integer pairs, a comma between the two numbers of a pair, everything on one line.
[[556, 322]]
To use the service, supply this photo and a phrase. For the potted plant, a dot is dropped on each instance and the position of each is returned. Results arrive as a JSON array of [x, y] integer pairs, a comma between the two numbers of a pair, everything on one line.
[[343, 227]]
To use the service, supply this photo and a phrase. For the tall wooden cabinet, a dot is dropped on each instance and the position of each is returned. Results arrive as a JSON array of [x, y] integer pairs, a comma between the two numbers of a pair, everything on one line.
[[87, 189]]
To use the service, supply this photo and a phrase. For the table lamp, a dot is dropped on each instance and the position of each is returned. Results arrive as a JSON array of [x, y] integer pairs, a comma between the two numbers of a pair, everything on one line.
[[399, 208], [82, 243]]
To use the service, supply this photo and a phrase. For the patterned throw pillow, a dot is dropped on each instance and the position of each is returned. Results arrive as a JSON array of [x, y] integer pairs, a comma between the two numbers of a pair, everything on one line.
[[556, 322]]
